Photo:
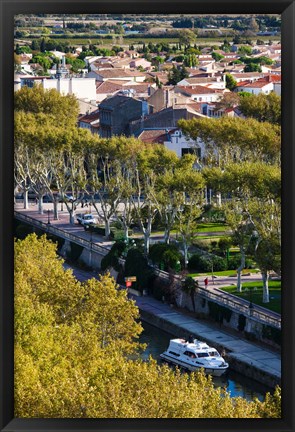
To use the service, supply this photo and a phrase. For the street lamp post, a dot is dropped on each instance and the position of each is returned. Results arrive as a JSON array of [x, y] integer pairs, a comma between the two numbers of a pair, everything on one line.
[[90, 256], [251, 307], [212, 271], [48, 214]]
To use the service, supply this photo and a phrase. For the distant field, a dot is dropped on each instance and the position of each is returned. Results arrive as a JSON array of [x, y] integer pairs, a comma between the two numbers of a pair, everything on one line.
[[138, 40]]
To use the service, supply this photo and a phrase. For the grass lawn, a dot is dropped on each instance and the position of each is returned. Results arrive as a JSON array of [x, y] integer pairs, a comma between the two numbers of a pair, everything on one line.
[[274, 294], [212, 227]]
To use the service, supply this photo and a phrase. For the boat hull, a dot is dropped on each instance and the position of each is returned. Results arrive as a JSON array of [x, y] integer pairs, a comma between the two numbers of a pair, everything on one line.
[[214, 371]]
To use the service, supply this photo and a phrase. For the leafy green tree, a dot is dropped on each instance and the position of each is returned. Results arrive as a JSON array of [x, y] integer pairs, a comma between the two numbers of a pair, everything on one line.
[[244, 49], [62, 109], [191, 60], [76, 353], [171, 190], [217, 56], [187, 37], [189, 286], [262, 107], [44, 61], [253, 212], [231, 83], [233, 139], [252, 67], [108, 176]]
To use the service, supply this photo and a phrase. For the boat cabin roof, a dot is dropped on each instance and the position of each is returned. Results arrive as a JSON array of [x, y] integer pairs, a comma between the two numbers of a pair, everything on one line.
[[182, 343]]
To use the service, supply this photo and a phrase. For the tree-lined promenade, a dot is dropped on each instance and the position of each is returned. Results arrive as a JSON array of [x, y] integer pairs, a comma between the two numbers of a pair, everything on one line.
[[77, 355], [136, 183]]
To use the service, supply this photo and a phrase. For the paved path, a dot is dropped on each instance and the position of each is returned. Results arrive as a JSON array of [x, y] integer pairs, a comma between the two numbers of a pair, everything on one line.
[[245, 354], [251, 356], [63, 223], [76, 229]]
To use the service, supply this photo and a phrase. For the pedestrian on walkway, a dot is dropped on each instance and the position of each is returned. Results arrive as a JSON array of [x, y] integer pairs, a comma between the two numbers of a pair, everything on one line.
[[206, 281]]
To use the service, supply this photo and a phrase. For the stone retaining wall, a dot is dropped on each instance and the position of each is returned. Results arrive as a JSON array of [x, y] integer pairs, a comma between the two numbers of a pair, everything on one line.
[[250, 371]]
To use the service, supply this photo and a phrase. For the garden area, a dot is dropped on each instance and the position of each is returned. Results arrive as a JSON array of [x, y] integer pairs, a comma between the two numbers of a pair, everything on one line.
[[252, 291]]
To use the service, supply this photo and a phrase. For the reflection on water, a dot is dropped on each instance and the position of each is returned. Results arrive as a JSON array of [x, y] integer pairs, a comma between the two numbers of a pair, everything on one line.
[[236, 384]]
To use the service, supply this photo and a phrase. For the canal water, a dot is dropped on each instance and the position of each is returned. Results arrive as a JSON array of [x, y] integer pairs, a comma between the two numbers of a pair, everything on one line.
[[236, 384]]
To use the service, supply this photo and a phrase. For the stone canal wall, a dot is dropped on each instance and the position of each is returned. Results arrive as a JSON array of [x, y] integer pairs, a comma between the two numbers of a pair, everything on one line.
[[247, 369]]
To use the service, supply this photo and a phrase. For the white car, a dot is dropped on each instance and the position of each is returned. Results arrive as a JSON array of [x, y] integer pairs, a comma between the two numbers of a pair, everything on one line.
[[86, 219]]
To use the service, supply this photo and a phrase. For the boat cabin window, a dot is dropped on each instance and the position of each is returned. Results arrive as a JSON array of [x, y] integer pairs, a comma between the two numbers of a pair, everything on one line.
[[204, 354], [174, 353], [214, 353], [190, 354]]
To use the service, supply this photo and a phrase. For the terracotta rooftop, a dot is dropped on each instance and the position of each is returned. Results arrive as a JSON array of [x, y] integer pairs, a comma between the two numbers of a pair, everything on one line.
[[89, 118], [108, 87], [247, 75], [117, 73], [256, 84], [198, 90], [153, 136]]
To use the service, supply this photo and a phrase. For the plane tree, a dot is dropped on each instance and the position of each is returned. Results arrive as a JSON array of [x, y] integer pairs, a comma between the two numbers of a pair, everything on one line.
[[235, 139], [62, 109], [152, 165], [253, 210], [106, 164], [192, 185], [170, 192], [266, 218], [262, 107]]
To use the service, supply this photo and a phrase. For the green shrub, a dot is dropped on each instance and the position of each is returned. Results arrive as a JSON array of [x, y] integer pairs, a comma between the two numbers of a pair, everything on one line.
[[98, 229], [235, 262], [116, 231], [112, 258], [219, 264], [194, 262], [168, 254], [136, 265]]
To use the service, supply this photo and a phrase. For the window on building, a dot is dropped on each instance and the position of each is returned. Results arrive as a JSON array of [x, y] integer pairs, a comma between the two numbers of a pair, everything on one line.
[[192, 150]]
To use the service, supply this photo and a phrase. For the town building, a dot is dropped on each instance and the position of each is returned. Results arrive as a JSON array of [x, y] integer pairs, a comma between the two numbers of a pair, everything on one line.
[[82, 88], [117, 112]]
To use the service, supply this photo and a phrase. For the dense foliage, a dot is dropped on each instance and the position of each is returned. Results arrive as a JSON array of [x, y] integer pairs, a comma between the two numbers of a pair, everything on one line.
[[72, 353]]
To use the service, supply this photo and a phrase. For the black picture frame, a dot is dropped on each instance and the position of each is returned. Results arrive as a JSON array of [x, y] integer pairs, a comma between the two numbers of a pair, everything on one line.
[[8, 9]]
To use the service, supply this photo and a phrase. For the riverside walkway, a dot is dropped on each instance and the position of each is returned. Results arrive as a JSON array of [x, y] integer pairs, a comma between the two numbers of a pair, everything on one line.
[[251, 359], [248, 358]]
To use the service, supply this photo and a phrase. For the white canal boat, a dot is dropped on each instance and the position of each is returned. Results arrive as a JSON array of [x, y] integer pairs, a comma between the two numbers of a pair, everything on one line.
[[195, 355]]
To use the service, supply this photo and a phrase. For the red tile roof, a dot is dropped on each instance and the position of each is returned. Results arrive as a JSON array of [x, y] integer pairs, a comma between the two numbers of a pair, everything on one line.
[[198, 90], [108, 87], [256, 84], [89, 118], [153, 136]]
